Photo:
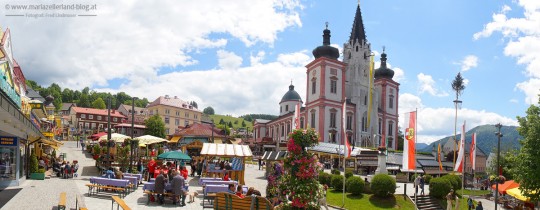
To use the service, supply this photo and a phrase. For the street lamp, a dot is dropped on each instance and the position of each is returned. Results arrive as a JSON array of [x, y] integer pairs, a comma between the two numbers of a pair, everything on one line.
[[132, 132], [108, 131], [456, 104], [499, 135]]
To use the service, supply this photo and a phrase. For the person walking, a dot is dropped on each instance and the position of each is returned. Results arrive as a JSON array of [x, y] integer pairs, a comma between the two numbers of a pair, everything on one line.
[[260, 163], [449, 199], [479, 206], [422, 183], [416, 184], [178, 185], [470, 203], [160, 187]]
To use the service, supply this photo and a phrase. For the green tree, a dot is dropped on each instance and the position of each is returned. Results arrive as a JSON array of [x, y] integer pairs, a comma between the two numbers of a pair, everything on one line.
[[194, 104], [236, 122], [84, 101], [209, 110], [32, 84], [221, 121], [155, 126], [528, 164], [230, 125], [99, 103], [243, 124], [401, 139], [67, 95]]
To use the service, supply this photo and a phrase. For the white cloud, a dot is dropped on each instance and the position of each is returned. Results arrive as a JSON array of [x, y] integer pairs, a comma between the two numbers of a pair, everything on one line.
[[427, 85], [228, 60], [515, 101], [132, 40], [435, 123], [523, 36], [256, 59], [470, 61]]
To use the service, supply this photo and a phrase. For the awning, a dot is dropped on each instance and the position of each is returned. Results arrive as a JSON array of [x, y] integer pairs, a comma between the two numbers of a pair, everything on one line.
[[510, 184], [274, 155], [518, 194], [218, 141], [226, 150], [175, 139], [48, 142]]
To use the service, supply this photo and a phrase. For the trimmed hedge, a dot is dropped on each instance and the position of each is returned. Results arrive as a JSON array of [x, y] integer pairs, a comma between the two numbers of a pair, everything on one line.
[[325, 178], [427, 178], [457, 181], [335, 171], [383, 185], [354, 185], [439, 187], [337, 182], [348, 173]]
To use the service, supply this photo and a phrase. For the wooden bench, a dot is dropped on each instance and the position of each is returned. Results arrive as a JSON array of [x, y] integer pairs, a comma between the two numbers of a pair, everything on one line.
[[120, 203], [79, 203], [150, 194], [62, 202], [227, 201], [96, 188]]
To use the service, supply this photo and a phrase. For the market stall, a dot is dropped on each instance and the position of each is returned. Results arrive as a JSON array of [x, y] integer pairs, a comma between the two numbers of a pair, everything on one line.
[[236, 155]]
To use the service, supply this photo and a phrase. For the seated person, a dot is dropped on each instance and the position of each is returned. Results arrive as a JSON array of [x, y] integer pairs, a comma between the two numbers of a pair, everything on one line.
[[118, 174], [228, 166], [232, 189], [253, 191], [240, 191], [226, 176], [109, 173], [184, 172]]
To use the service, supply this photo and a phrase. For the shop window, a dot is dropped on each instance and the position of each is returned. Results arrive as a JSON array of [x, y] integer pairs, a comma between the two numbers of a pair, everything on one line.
[[8, 163]]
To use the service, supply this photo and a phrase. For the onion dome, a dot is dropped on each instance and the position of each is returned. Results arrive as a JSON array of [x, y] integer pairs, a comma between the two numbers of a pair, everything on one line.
[[384, 71], [326, 50], [291, 95]]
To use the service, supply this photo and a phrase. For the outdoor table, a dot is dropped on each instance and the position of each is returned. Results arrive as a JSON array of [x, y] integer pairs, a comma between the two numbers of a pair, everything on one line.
[[220, 182], [151, 186], [139, 176], [216, 188], [132, 180], [109, 182], [204, 179]]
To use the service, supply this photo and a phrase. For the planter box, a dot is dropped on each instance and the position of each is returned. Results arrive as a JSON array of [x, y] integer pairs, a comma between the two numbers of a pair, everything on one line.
[[37, 176]]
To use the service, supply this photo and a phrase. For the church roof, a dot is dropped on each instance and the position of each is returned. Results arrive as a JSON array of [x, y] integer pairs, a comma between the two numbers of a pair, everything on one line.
[[384, 71], [358, 33], [326, 50], [291, 95]]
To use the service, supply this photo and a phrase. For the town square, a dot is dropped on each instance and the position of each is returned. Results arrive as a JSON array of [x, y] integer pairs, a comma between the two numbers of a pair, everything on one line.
[[278, 104]]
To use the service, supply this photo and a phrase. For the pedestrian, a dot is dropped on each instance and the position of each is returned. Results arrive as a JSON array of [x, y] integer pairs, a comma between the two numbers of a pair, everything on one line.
[[260, 163], [479, 206], [416, 184], [449, 199], [151, 168], [193, 168], [422, 183], [470, 203]]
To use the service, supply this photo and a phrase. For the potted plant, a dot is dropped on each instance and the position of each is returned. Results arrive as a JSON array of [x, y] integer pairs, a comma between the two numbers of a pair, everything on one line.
[[35, 172], [97, 150]]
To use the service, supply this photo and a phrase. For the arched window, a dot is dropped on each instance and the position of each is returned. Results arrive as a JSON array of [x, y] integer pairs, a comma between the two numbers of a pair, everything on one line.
[[364, 122], [302, 122], [313, 118]]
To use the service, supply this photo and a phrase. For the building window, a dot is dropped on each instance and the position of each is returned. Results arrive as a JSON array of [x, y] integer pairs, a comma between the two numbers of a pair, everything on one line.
[[98, 117], [313, 86], [332, 119], [91, 117], [391, 102], [83, 116], [186, 123], [176, 121], [380, 125], [167, 131], [282, 130], [177, 113], [167, 111], [288, 128], [195, 116], [280, 109], [365, 100], [93, 125], [364, 122], [349, 122], [302, 122], [151, 112], [333, 86], [390, 128], [166, 120], [86, 125], [186, 115], [333, 137], [115, 119], [313, 119], [286, 108]]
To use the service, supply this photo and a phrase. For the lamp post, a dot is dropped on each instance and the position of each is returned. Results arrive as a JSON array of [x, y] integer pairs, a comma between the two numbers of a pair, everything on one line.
[[132, 132], [212, 132], [499, 135], [108, 131], [456, 103]]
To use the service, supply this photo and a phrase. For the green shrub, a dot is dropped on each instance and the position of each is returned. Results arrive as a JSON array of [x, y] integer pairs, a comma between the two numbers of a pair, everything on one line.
[[427, 178], [455, 181], [337, 182], [354, 185], [325, 178], [348, 173], [439, 187], [41, 170], [367, 188], [33, 164], [335, 171], [383, 185]]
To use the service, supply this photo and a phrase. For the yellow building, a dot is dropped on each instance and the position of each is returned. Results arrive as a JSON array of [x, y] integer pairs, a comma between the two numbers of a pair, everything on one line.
[[174, 112]]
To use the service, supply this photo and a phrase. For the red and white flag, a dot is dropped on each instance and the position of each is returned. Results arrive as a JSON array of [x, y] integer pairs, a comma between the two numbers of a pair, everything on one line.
[[344, 126], [460, 158], [296, 119], [472, 152], [409, 146]]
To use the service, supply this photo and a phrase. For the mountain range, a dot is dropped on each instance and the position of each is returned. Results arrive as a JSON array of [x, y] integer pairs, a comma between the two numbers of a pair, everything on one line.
[[485, 138]]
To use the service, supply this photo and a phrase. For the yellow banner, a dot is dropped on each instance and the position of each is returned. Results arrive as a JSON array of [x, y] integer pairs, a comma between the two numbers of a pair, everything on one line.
[[371, 64]]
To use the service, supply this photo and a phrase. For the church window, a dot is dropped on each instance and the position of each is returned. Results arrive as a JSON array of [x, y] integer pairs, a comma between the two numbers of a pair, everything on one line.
[[391, 102], [349, 122], [365, 100], [350, 55], [364, 122], [288, 128], [333, 86], [302, 122], [332, 119], [333, 137], [380, 126], [313, 119], [390, 128], [356, 48], [282, 130], [313, 86], [286, 108]]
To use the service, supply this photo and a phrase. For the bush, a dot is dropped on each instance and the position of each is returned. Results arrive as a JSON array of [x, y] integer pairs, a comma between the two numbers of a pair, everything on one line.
[[348, 173], [367, 188], [41, 170], [325, 178], [427, 178], [439, 187], [455, 180], [335, 171], [354, 185], [337, 182], [383, 185], [33, 164]]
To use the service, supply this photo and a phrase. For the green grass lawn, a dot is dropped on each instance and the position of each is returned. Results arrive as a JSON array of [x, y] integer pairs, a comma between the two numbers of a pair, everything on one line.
[[473, 192], [462, 203], [367, 201], [227, 119]]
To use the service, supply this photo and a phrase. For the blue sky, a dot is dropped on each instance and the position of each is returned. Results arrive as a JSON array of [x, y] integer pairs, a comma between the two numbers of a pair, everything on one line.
[[239, 56]]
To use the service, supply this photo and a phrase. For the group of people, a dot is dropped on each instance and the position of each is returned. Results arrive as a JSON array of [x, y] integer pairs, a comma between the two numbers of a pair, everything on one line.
[[114, 173], [178, 186], [452, 200], [65, 169], [419, 182], [239, 191]]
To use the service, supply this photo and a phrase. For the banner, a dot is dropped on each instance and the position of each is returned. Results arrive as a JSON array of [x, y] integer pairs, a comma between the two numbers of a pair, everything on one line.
[[409, 146], [296, 118], [472, 152], [439, 157], [461, 154], [343, 127]]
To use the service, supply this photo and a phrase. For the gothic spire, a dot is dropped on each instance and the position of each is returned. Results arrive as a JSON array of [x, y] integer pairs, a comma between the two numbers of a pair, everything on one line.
[[358, 33]]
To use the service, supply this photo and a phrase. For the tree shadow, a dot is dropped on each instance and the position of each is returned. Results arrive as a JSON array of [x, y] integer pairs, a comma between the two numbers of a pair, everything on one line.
[[385, 203], [89, 171]]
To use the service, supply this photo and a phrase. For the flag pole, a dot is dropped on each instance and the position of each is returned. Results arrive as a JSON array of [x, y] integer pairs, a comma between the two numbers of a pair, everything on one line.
[[415, 139], [344, 137]]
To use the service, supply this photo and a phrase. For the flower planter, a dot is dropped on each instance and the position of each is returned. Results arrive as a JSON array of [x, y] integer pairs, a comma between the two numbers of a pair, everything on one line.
[[37, 176], [95, 157]]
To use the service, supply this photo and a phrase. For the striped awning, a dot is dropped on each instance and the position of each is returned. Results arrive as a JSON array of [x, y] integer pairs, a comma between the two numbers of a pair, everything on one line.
[[226, 150], [274, 155]]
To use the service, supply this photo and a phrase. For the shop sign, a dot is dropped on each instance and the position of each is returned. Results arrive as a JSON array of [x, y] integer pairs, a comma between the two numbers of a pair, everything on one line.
[[48, 134], [8, 141], [34, 120], [6, 87], [36, 105]]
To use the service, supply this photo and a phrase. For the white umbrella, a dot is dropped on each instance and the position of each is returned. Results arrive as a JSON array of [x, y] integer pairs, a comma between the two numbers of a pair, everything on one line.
[[116, 137], [149, 139]]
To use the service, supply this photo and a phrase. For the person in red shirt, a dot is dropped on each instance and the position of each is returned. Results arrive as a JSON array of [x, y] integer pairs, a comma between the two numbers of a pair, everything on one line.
[[240, 191], [226, 176], [184, 172], [151, 168]]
